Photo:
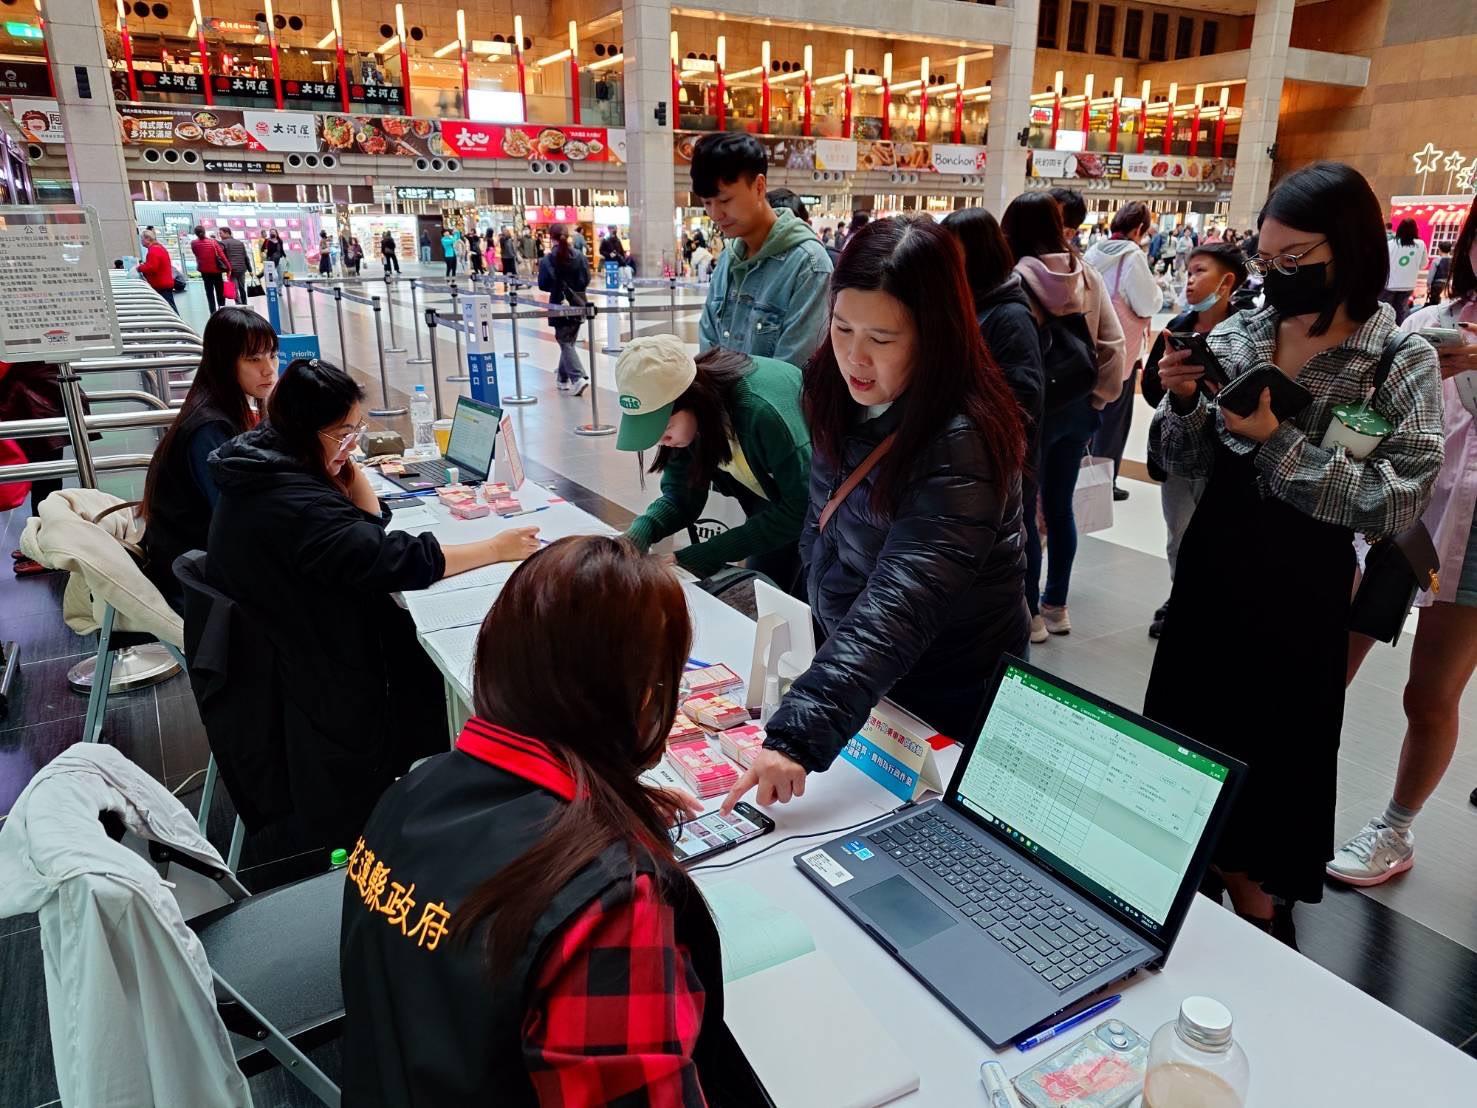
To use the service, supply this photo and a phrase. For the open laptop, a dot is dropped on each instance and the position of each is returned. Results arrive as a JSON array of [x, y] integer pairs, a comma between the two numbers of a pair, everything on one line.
[[471, 448], [1061, 858]]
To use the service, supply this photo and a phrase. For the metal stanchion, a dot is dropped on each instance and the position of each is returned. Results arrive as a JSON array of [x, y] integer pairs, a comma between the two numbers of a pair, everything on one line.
[[594, 427], [435, 371], [313, 309], [287, 300], [631, 308], [519, 396], [394, 347], [510, 288], [338, 305], [415, 318], [379, 343], [672, 301], [456, 312], [70, 386]]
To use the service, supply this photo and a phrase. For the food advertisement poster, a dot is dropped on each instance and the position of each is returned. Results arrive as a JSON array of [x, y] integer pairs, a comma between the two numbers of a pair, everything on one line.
[[784, 151], [383, 134], [1167, 167], [40, 120], [836, 154], [205, 128], [1064, 163], [885, 156], [526, 142]]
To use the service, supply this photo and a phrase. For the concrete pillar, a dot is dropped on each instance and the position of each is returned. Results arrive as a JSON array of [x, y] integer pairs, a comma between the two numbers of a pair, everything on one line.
[[1266, 71], [646, 42], [74, 38], [1010, 108]]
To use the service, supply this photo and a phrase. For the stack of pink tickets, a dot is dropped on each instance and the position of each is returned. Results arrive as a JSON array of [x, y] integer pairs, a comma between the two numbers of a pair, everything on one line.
[[703, 771], [742, 743], [710, 680], [684, 730], [715, 712]]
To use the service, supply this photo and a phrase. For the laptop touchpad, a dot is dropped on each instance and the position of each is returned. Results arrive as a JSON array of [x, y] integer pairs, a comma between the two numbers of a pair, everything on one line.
[[902, 912]]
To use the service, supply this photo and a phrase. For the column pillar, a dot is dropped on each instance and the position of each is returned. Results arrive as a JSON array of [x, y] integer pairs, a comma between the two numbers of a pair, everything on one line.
[[74, 39], [1265, 74], [1010, 108], [649, 166]]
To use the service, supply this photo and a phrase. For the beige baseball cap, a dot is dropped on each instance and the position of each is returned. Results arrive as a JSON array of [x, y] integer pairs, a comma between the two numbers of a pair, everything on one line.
[[650, 375]]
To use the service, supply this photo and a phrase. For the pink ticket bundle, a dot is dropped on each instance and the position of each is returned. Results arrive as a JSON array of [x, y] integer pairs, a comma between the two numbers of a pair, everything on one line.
[[717, 712], [684, 730], [705, 773], [468, 509], [710, 680], [742, 743]]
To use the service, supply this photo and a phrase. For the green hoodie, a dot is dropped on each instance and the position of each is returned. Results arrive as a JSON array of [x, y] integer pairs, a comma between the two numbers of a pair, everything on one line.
[[776, 443], [773, 304]]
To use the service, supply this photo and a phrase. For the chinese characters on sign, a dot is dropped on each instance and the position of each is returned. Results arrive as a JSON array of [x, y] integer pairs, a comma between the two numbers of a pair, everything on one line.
[[377, 94], [310, 90], [260, 87], [171, 82], [242, 168], [396, 901], [424, 192], [56, 301], [281, 131], [23, 77]]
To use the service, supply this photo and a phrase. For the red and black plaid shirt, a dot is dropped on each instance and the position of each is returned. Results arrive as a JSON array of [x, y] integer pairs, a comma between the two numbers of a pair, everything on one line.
[[616, 1006]]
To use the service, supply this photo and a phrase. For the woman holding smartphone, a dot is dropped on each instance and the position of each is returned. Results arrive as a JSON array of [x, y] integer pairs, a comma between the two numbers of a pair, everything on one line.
[[516, 930], [912, 542], [1444, 653], [1272, 537]]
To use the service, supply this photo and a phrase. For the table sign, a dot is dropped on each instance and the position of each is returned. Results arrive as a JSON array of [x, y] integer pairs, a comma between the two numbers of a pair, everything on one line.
[[290, 348], [510, 452], [56, 299], [894, 750]]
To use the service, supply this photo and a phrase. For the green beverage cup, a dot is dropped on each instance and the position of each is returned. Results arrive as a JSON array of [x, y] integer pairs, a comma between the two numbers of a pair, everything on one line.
[[1357, 429]]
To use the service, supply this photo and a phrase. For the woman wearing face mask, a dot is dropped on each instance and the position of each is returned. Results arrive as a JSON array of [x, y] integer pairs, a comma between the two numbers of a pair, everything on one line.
[[1216, 272], [1272, 537], [237, 371], [299, 539], [912, 542], [727, 422], [1444, 653]]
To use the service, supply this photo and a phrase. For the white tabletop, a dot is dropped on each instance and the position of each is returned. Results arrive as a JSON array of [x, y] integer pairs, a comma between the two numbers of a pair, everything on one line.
[[1313, 1039]]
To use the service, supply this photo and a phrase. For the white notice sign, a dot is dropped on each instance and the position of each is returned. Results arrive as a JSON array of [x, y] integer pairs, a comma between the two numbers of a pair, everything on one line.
[[56, 300]]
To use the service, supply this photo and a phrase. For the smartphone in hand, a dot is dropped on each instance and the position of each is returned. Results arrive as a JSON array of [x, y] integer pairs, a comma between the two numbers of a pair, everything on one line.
[[1193, 342], [1244, 394]]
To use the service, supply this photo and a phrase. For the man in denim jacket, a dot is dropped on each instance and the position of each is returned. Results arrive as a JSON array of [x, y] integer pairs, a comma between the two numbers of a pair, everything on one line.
[[768, 295]]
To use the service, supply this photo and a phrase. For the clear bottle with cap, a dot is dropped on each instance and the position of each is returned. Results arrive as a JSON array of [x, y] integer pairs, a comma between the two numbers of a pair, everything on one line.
[[422, 417], [1194, 1062]]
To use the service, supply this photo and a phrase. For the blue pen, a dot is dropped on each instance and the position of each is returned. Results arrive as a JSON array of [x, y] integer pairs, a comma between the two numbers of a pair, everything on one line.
[[697, 663], [527, 511], [1068, 1023]]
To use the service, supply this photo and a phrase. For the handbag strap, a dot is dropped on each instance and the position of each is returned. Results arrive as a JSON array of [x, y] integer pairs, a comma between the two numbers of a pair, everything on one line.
[[854, 479], [137, 552], [1387, 359]]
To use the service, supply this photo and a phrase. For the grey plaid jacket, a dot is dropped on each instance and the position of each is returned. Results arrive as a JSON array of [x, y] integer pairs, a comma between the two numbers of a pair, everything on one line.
[[1381, 495]]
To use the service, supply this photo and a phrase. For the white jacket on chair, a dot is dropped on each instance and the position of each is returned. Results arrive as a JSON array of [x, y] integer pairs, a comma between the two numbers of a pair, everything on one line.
[[129, 992]]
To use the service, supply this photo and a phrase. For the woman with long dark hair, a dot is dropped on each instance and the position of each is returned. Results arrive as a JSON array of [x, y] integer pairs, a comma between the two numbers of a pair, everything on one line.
[[238, 367], [552, 952], [299, 540], [564, 275], [1444, 653], [725, 421], [1272, 536], [912, 543], [1407, 252]]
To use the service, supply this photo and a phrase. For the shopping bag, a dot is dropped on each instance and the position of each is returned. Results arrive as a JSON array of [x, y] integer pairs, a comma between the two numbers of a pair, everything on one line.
[[1092, 502], [230, 288], [254, 288]]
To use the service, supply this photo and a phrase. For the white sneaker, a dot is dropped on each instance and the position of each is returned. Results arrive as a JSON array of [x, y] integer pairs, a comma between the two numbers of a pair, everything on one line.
[[1058, 620], [581, 386], [1038, 629], [1376, 854]]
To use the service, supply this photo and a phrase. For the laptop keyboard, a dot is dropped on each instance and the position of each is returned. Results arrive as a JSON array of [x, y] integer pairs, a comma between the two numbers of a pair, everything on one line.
[[1035, 925]]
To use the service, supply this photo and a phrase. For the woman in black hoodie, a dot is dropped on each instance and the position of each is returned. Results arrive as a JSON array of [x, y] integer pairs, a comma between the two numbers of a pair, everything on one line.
[[299, 540]]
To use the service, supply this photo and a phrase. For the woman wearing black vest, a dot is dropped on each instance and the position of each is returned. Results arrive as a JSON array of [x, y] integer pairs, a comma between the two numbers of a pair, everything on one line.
[[238, 366], [511, 902]]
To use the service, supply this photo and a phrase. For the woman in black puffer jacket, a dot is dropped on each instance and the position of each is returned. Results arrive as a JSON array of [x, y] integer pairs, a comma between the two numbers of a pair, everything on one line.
[[916, 574]]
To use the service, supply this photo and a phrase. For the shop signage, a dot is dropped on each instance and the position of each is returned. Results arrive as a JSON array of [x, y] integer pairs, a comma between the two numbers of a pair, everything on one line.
[[40, 120], [835, 154], [183, 127], [282, 131], [56, 301], [784, 152], [424, 192], [241, 168], [170, 82], [1166, 167], [310, 90], [1064, 163], [24, 77], [377, 94], [948, 158], [1041, 115], [384, 134], [259, 87], [526, 143], [231, 26], [886, 156], [559, 214]]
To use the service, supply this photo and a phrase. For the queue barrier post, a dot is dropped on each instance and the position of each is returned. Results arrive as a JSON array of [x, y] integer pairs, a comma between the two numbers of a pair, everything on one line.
[[519, 396], [313, 308], [338, 305], [385, 411], [672, 303], [394, 347], [456, 312], [594, 427], [415, 316]]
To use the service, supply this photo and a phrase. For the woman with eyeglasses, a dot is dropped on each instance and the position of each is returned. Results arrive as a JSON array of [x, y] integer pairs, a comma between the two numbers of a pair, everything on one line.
[[300, 541], [1254, 661]]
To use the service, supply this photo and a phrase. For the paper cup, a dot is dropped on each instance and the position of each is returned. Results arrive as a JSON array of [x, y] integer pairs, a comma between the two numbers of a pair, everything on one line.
[[1357, 429], [442, 430]]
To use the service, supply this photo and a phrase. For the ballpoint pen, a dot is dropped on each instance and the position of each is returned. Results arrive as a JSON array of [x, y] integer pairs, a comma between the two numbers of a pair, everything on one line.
[[526, 512], [1068, 1023]]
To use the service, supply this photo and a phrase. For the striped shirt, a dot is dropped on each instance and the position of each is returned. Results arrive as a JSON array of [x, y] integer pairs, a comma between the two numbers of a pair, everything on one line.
[[1380, 495]]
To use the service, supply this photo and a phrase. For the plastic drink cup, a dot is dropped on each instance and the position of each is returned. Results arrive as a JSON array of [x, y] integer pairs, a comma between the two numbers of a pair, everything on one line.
[[442, 430], [1357, 429]]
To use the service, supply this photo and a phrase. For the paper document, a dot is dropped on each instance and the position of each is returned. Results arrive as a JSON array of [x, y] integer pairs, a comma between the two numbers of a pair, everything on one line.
[[457, 649], [495, 574], [755, 933], [436, 611], [417, 517]]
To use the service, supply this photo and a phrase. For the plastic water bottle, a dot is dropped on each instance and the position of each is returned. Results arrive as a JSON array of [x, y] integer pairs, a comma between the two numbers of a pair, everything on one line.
[[422, 416]]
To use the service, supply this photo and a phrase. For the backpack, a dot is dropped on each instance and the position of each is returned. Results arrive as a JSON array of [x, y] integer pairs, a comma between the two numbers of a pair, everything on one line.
[[1068, 355]]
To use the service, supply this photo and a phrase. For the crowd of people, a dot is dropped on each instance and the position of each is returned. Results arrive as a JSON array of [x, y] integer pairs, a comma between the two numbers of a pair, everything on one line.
[[900, 408]]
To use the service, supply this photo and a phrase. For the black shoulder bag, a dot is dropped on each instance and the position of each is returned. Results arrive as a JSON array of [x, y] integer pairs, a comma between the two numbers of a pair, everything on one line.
[[1397, 566]]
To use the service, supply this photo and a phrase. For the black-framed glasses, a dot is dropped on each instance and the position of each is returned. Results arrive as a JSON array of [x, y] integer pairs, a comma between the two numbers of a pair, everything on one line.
[[1285, 264]]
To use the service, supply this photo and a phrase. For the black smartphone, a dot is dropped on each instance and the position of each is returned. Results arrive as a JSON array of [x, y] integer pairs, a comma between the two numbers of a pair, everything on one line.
[[714, 833], [1244, 394], [1194, 343]]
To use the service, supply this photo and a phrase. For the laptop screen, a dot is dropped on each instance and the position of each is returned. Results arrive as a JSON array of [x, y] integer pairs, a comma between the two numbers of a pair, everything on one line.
[[473, 436], [1111, 806]]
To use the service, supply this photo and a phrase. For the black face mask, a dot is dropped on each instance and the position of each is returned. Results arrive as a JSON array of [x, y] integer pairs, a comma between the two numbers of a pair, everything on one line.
[[1305, 292]]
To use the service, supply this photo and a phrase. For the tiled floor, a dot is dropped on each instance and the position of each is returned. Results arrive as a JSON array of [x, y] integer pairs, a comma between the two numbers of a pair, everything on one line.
[[1410, 943]]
